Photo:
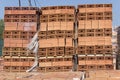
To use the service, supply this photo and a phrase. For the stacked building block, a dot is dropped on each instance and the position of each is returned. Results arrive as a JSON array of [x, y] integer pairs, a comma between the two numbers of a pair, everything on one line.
[[20, 27], [63, 32], [1, 64], [103, 75], [1, 46], [56, 38], [118, 48], [94, 33]]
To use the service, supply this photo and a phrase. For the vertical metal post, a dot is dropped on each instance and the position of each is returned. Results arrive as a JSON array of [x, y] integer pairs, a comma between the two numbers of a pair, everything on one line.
[[29, 2], [75, 62], [19, 3], [35, 3]]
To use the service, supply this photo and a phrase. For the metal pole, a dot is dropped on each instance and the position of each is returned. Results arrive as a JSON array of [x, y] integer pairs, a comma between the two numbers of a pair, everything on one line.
[[29, 2], [35, 3], [19, 3]]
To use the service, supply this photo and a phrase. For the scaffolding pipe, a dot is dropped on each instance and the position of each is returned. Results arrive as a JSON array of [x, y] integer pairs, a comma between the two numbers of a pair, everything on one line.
[[35, 3], [19, 3], [29, 2]]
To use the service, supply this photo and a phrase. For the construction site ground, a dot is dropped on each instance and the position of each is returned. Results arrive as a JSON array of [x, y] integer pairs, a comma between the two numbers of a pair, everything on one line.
[[90, 75], [39, 76]]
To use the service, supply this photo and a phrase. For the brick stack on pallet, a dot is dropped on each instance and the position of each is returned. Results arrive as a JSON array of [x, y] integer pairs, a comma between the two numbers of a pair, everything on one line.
[[1, 64], [118, 62], [1, 46], [103, 75], [20, 27], [94, 37], [118, 48], [63, 32], [56, 38]]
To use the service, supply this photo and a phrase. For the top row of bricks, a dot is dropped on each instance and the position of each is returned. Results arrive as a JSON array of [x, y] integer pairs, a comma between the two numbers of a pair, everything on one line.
[[59, 7]]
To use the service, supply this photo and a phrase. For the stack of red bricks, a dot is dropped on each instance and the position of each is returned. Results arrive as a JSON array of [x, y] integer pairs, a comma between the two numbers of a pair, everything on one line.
[[63, 32], [94, 36], [1, 64], [56, 38], [103, 75], [20, 27]]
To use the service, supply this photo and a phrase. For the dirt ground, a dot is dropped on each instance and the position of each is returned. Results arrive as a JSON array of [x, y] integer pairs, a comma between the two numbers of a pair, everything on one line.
[[40, 76], [90, 75]]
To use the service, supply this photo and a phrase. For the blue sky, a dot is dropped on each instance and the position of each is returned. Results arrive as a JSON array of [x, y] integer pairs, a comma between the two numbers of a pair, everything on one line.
[[116, 5]]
